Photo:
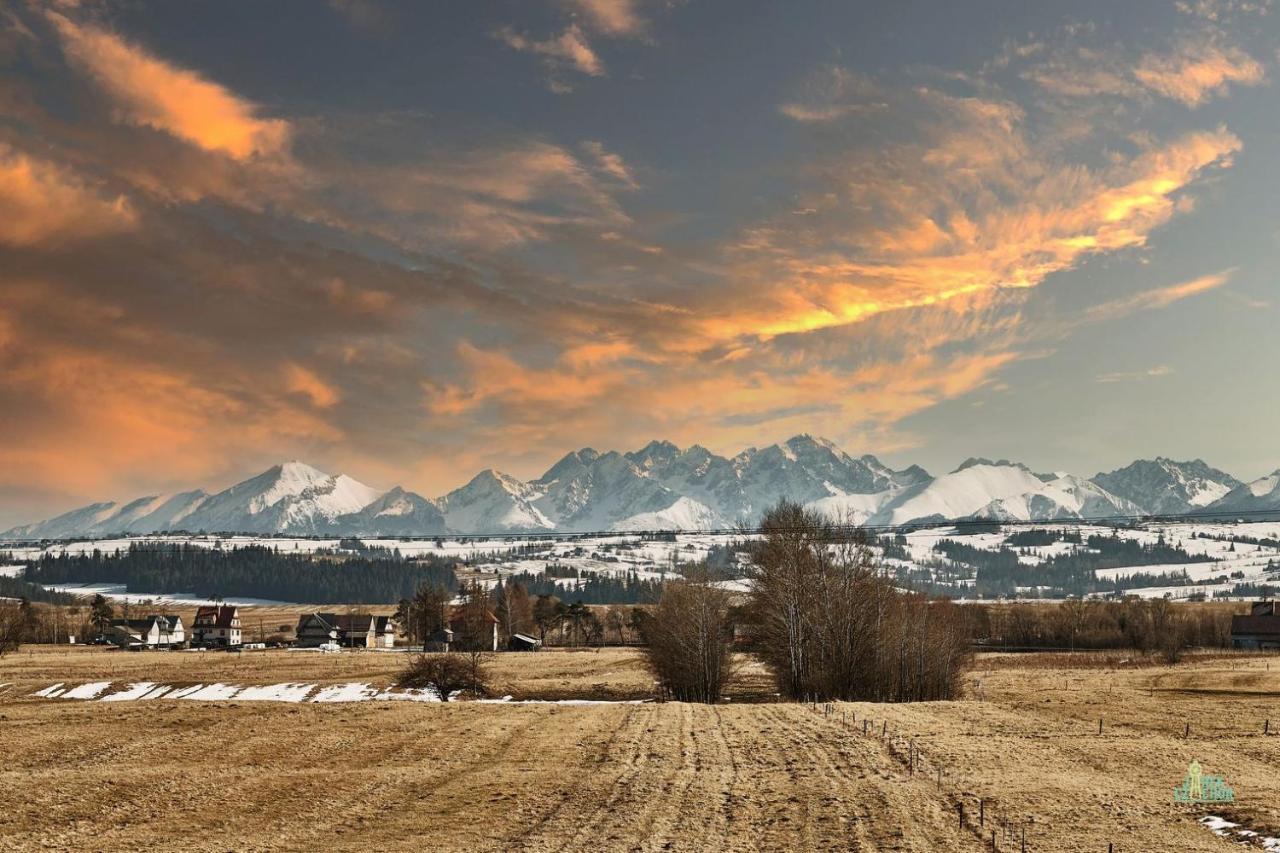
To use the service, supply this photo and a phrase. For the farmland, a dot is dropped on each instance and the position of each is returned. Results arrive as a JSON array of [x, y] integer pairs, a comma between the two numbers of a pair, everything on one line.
[[750, 774]]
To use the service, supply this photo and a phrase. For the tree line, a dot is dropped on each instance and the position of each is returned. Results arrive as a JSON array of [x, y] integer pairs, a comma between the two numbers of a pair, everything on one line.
[[1145, 625], [251, 571]]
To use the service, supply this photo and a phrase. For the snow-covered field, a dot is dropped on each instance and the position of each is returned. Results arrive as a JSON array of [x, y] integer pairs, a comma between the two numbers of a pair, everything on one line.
[[1227, 559], [117, 592]]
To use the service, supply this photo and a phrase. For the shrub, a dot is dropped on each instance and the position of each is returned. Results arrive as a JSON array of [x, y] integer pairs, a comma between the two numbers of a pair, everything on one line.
[[447, 673]]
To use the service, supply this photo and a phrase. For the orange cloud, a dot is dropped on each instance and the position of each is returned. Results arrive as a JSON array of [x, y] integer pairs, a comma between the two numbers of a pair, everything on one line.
[[305, 382], [1198, 71], [612, 17], [1046, 225], [41, 201], [570, 48], [156, 94]]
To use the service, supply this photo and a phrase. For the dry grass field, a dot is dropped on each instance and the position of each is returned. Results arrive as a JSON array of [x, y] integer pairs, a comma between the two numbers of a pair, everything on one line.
[[746, 775]]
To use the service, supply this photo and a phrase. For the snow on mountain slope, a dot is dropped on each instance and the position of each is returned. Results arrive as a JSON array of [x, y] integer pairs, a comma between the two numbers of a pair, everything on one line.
[[170, 514], [600, 494], [1261, 498], [684, 514], [293, 497], [149, 514], [662, 486], [68, 524], [1264, 486], [395, 513], [493, 502], [1163, 486], [851, 509], [1003, 490]]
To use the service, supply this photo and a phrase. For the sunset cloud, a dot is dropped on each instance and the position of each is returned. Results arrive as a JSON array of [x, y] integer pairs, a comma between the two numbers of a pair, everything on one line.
[[611, 17], [569, 49], [304, 382], [450, 269], [1197, 72], [42, 202], [157, 94]]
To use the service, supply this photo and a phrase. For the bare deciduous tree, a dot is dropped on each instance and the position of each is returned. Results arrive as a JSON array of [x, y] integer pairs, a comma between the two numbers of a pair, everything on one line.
[[12, 627], [829, 626], [690, 640]]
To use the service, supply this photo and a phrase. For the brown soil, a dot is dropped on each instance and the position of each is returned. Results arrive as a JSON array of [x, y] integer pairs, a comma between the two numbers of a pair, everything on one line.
[[741, 776]]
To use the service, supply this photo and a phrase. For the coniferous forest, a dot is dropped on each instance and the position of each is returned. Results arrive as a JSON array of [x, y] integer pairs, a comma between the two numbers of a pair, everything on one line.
[[253, 571]]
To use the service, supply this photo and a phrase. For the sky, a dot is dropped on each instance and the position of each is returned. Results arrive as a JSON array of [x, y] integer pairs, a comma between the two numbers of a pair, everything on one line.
[[408, 241]]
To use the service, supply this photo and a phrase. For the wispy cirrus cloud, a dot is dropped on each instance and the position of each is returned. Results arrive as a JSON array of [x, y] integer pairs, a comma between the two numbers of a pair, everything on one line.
[[1192, 70], [1196, 72], [1159, 297], [570, 49], [1134, 375], [157, 94]]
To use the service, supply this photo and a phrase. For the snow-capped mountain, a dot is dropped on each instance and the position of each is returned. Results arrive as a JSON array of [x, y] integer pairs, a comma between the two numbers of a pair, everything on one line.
[[77, 522], [664, 487], [288, 498], [1002, 490], [1163, 486], [493, 502], [1261, 499], [394, 513]]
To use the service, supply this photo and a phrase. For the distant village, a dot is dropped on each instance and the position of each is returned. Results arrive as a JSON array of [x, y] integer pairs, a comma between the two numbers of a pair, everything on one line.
[[219, 627]]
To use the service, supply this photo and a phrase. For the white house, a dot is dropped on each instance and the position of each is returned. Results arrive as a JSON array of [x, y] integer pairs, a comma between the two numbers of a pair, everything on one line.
[[216, 626]]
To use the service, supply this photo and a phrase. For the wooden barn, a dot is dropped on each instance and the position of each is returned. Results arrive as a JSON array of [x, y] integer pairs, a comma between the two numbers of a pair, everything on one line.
[[1258, 630]]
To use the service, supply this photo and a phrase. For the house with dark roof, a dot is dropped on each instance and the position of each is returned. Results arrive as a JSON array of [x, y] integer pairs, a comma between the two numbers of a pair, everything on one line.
[[351, 630], [216, 626], [151, 632], [1258, 630]]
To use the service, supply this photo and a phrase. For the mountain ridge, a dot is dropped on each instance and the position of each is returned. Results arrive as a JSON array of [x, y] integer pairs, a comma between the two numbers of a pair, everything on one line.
[[663, 486]]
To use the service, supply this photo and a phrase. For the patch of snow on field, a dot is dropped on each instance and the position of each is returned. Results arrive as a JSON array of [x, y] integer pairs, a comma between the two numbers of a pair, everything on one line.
[[276, 693], [86, 691], [11, 571], [1218, 825], [351, 692], [49, 692], [135, 691], [184, 692], [213, 693], [411, 694]]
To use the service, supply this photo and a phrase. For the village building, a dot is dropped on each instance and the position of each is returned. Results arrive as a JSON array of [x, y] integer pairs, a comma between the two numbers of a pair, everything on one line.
[[351, 630], [1258, 630], [488, 639], [216, 626], [151, 632], [523, 643]]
